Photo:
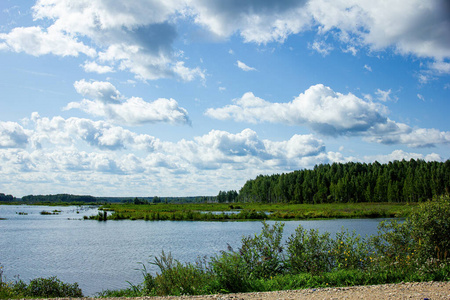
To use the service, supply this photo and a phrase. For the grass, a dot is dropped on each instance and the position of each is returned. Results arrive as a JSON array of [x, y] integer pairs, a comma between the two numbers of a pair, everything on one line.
[[254, 211]]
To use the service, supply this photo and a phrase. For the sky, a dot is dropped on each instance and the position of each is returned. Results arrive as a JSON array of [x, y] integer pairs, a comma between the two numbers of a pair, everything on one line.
[[191, 97]]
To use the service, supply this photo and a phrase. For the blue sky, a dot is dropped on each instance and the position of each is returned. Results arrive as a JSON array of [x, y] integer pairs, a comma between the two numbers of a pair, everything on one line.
[[189, 97]]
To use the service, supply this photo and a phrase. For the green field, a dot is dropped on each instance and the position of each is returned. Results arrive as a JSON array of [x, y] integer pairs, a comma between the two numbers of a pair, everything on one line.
[[253, 211]]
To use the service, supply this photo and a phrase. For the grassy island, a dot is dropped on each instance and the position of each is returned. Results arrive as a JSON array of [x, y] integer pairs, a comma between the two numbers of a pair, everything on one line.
[[252, 211]]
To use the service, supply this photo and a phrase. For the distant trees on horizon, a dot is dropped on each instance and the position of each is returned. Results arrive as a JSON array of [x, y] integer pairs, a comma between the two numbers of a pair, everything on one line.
[[397, 181]]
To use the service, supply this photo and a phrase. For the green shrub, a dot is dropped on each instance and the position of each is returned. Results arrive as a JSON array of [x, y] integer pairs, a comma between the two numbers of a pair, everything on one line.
[[176, 278], [52, 287], [263, 253], [393, 245], [430, 224], [230, 272], [309, 252], [351, 251]]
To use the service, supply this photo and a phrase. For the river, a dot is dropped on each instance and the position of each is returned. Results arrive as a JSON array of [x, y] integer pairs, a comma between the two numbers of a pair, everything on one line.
[[105, 255]]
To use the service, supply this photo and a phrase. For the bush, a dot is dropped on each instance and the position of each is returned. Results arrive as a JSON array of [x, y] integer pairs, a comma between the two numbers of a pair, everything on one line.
[[309, 252], [423, 238], [176, 278], [230, 272], [351, 251], [430, 228], [262, 254], [52, 287]]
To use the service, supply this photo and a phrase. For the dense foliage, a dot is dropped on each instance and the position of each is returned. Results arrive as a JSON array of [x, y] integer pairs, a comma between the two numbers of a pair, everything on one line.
[[50, 287], [398, 181], [7, 198], [59, 198], [413, 250]]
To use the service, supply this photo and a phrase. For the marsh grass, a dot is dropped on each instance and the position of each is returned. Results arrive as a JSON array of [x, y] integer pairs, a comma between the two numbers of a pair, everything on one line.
[[255, 211]]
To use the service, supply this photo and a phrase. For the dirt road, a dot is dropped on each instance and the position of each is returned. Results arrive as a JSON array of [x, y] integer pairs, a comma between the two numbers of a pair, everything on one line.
[[423, 290]]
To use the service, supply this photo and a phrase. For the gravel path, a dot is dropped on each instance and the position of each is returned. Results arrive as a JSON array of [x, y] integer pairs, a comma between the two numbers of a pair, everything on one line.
[[423, 290]]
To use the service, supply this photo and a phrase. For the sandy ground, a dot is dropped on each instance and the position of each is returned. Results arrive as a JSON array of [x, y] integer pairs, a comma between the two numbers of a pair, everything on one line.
[[423, 290]]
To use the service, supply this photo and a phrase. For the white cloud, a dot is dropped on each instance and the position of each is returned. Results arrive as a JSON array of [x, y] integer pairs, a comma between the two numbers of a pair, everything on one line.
[[133, 111], [440, 67], [244, 67], [368, 68], [137, 36], [12, 135], [93, 67], [100, 90], [421, 97], [412, 27], [321, 47], [400, 155], [331, 113], [256, 21], [37, 41], [319, 107], [350, 49], [384, 95], [398, 133], [75, 155], [188, 74], [61, 132]]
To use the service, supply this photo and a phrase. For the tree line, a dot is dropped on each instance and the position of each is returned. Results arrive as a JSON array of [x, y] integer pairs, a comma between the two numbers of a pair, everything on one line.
[[7, 198], [58, 198], [397, 181]]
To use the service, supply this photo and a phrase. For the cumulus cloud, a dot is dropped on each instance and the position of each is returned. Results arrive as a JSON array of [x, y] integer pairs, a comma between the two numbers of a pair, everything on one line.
[[331, 113], [135, 36], [412, 27], [319, 107], [76, 154], [132, 111], [244, 67], [93, 67], [398, 133], [38, 41], [138, 36], [58, 131], [13, 135], [99, 90], [256, 21]]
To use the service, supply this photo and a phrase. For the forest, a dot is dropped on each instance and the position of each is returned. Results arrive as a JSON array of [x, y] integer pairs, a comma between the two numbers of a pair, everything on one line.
[[397, 181]]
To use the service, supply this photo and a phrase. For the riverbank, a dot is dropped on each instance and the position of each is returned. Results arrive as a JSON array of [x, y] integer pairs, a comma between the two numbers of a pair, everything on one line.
[[416, 290]]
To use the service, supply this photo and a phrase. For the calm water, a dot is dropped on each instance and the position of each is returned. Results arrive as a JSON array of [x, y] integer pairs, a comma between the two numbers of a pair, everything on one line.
[[105, 255]]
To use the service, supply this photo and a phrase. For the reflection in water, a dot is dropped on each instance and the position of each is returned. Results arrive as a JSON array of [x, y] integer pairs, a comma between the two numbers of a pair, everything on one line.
[[105, 255]]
